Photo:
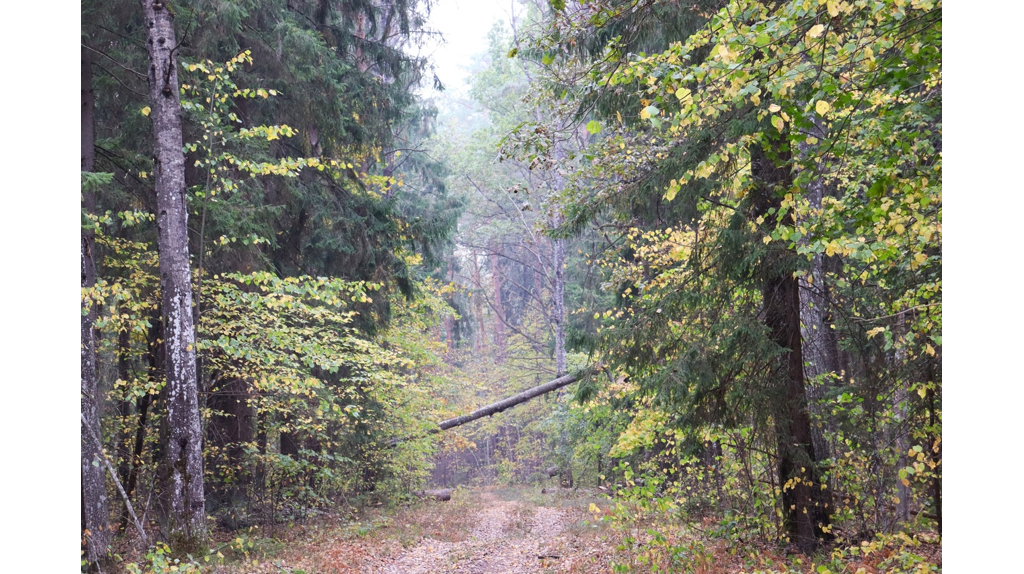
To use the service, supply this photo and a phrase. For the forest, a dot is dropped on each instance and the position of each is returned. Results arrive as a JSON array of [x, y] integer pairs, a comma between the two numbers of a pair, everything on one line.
[[658, 290]]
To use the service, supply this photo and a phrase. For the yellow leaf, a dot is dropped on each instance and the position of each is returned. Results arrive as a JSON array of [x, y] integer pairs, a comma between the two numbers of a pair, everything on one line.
[[833, 8], [756, 99], [774, 108], [683, 95], [816, 31], [929, 349], [822, 107], [875, 331], [146, 110], [778, 123]]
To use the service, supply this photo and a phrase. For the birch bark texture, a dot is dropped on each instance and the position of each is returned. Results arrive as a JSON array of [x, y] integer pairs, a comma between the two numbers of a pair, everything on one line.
[[184, 454], [95, 513]]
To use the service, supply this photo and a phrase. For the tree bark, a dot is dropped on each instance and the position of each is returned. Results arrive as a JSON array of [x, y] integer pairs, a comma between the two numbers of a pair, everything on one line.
[[155, 356], [502, 405], [184, 451], [95, 513], [499, 310], [477, 302], [820, 342], [806, 506], [508, 403], [559, 305]]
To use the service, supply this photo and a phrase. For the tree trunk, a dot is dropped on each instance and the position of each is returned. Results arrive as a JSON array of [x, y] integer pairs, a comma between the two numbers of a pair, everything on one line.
[[935, 445], [155, 357], [508, 403], [184, 451], [559, 306], [477, 302], [821, 349], [806, 506], [449, 320], [502, 405], [95, 514], [820, 342], [499, 310]]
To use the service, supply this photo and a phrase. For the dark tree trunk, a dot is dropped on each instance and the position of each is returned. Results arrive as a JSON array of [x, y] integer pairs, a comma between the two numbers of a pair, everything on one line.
[[289, 439], [95, 514], [231, 425], [155, 356], [806, 507], [935, 447], [184, 451], [124, 406]]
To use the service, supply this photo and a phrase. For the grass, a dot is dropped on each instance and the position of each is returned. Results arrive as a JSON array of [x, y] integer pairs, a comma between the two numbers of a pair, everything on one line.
[[589, 541]]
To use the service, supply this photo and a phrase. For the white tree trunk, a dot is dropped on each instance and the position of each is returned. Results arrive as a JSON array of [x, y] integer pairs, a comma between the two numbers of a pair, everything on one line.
[[184, 449]]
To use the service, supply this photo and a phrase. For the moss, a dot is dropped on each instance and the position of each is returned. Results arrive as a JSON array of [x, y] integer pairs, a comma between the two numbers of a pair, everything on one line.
[[184, 545]]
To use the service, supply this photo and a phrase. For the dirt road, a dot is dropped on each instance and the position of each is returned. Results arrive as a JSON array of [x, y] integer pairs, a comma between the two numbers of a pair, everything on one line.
[[509, 537]]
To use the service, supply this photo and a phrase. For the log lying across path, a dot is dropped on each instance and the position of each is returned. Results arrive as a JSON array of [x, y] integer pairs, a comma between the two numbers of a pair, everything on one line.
[[440, 495], [504, 404], [508, 403]]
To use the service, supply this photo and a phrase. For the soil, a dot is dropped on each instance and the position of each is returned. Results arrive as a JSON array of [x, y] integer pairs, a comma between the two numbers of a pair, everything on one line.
[[509, 537]]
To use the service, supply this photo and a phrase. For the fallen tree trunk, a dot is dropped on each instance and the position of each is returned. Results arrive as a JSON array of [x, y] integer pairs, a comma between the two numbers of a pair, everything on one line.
[[502, 405], [508, 403], [440, 495]]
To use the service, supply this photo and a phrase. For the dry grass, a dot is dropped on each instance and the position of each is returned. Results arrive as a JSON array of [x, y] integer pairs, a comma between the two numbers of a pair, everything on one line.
[[342, 544], [553, 531]]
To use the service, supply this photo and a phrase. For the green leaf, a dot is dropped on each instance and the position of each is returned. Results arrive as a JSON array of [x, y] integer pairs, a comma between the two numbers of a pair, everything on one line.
[[594, 127], [778, 123]]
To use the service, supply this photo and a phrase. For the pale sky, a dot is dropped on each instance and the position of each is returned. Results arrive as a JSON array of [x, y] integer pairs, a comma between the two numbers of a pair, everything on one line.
[[464, 24]]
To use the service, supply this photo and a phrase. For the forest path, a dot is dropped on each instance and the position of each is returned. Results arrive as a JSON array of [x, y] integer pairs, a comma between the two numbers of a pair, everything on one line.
[[508, 537]]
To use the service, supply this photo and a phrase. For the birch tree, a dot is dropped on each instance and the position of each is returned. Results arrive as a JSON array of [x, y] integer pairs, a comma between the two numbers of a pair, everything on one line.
[[184, 454]]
